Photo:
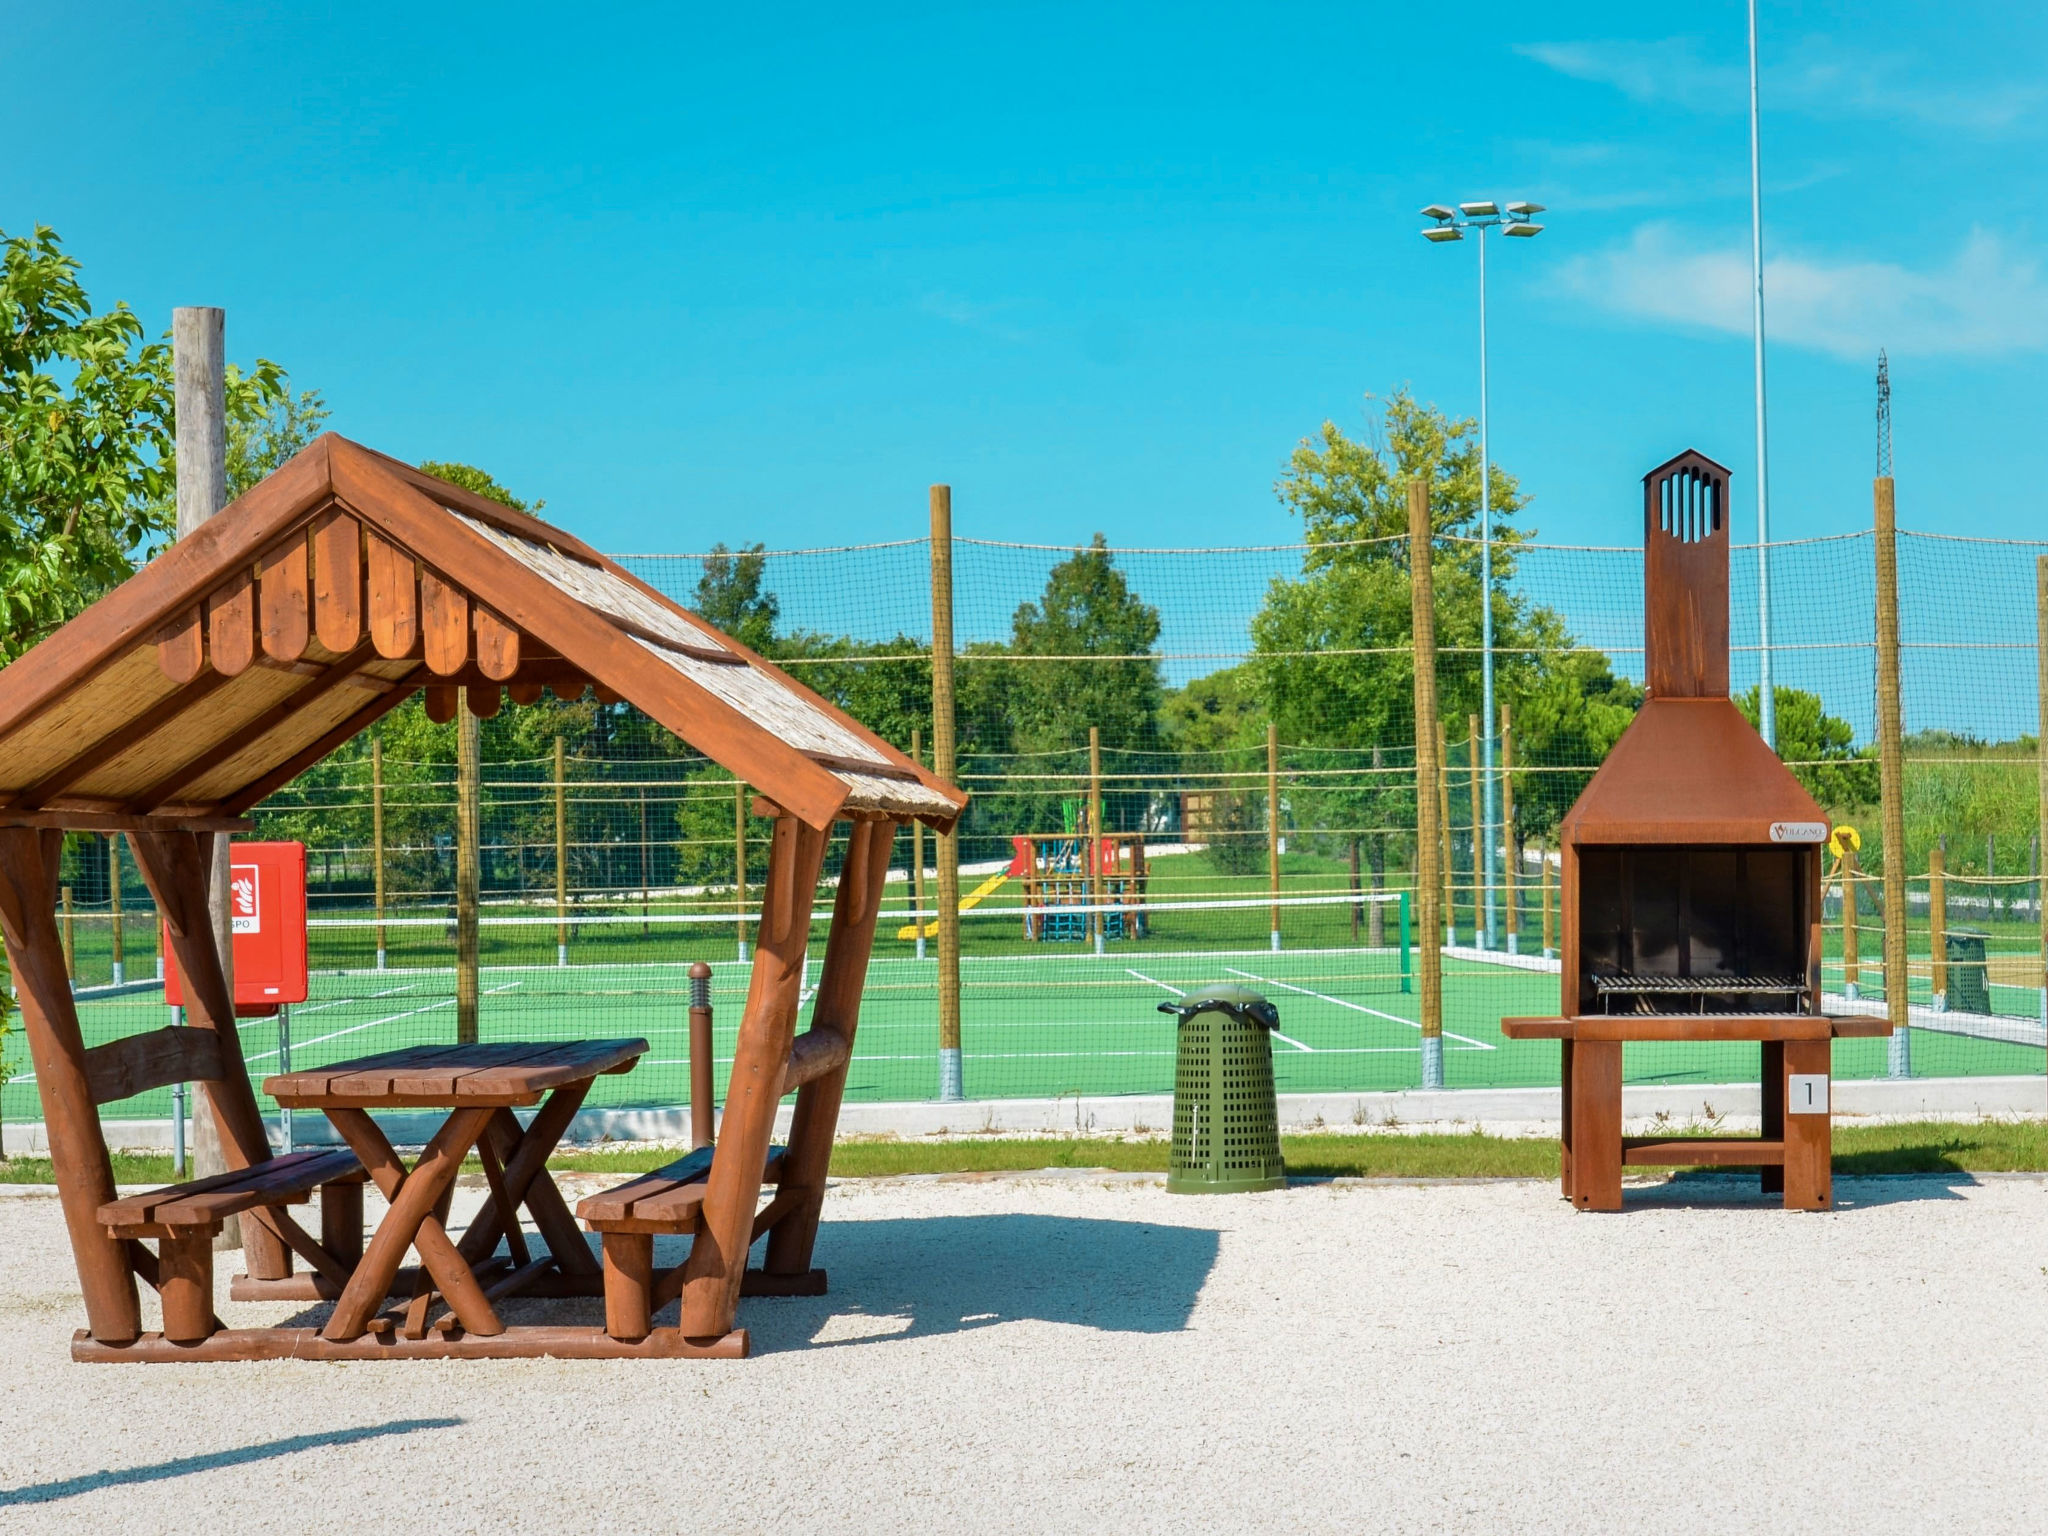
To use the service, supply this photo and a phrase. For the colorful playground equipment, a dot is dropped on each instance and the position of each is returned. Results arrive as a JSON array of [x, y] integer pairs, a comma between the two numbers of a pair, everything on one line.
[[1059, 893]]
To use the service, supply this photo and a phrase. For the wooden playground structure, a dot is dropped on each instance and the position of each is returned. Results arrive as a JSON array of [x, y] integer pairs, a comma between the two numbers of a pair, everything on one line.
[[1692, 888], [1077, 883], [242, 655]]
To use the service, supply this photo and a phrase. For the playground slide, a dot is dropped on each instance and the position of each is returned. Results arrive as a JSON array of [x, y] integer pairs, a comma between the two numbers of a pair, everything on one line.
[[1020, 864]]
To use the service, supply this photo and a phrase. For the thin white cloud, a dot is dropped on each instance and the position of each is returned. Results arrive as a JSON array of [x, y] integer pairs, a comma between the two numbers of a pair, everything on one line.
[[1811, 78], [1984, 301], [972, 315]]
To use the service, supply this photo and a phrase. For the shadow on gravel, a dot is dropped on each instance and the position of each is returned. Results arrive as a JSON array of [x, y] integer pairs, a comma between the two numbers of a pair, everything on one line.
[[1713, 1187], [185, 1466], [916, 1277]]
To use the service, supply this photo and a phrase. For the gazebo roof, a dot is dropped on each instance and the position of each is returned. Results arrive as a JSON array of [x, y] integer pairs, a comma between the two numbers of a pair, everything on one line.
[[320, 600]]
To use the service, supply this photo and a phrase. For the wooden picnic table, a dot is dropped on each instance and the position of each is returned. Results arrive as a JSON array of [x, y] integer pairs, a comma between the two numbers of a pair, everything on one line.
[[479, 1085]]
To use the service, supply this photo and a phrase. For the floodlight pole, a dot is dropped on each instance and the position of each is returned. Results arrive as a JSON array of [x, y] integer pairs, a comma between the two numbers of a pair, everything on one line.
[[1488, 924], [1767, 701]]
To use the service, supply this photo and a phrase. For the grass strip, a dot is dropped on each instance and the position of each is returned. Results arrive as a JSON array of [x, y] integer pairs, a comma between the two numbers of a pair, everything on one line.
[[1990, 1146]]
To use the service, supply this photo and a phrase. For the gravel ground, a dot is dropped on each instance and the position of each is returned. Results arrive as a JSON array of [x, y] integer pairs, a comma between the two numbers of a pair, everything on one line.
[[1066, 1352]]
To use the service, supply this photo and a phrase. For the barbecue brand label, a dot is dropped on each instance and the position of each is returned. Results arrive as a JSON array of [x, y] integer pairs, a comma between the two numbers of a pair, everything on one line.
[[1806, 1093], [1798, 831]]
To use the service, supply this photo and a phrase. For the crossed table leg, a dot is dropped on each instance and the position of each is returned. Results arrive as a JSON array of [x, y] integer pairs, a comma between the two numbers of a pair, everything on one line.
[[515, 1165]]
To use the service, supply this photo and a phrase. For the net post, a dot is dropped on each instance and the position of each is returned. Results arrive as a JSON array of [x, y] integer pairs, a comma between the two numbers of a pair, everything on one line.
[[377, 837], [114, 907], [917, 853], [1510, 859], [1098, 920], [952, 1085], [1891, 762], [1429, 780], [1273, 823], [561, 854], [1937, 922], [2041, 756], [468, 865]]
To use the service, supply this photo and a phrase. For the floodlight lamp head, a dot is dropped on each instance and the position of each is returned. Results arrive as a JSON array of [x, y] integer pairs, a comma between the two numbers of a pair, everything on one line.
[[1442, 233], [1522, 229], [1525, 210], [1479, 210], [1437, 211]]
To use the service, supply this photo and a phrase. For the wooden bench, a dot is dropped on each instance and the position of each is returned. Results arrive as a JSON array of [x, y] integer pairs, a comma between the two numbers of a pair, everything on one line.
[[668, 1203], [185, 1218]]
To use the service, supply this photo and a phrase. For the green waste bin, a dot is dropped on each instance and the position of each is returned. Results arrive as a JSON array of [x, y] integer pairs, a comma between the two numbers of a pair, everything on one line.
[[1226, 1126], [1969, 981]]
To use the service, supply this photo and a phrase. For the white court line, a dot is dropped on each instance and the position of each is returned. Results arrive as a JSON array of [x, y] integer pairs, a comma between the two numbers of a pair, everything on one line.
[[1392, 1018], [1154, 981], [446, 1002]]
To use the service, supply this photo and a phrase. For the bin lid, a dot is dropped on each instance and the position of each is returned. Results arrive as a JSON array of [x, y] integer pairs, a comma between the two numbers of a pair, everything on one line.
[[1241, 1003]]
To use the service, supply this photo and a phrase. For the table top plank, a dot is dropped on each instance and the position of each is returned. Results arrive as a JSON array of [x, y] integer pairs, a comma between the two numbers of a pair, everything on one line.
[[507, 1072]]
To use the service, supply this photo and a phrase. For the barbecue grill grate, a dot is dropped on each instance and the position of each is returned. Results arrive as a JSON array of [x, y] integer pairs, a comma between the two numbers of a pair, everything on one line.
[[1654, 993]]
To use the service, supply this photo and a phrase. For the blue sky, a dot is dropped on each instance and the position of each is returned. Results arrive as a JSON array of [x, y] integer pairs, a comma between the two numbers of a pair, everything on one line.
[[697, 273]]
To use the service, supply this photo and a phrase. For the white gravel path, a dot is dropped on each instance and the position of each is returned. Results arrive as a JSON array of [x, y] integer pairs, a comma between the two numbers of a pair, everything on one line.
[[1061, 1354]]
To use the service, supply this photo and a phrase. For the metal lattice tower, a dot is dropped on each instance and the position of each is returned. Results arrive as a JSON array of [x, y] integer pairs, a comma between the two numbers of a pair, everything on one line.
[[1884, 417]]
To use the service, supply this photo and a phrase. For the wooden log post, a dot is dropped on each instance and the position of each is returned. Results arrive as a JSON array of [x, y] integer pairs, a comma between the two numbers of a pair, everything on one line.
[[1443, 826], [703, 1089], [646, 867], [1937, 923], [69, 920], [561, 854], [718, 1258], [952, 1069], [1549, 904], [1429, 782], [29, 863], [1891, 768], [917, 854], [1511, 858], [1273, 826], [1375, 920], [848, 945], [1852, 963], [377, 837], [468, 866]]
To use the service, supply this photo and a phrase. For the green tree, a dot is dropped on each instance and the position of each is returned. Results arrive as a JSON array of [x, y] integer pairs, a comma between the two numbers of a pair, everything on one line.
[[731, 596], [1086, 610], [1822, 747], [87, 481]]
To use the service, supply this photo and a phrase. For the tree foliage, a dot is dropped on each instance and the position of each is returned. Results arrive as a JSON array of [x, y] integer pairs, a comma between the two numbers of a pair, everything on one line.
[[87, 435]]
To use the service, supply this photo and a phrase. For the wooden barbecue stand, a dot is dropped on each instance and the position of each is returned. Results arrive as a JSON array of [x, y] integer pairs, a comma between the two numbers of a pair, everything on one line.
[[1692, 888], [239, 657]]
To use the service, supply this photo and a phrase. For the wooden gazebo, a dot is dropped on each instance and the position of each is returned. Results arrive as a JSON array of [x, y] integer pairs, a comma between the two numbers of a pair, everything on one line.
[[249, 650]]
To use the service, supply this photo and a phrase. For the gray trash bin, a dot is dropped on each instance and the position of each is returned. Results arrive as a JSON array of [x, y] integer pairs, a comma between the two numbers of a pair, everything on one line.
[[1969, 979]]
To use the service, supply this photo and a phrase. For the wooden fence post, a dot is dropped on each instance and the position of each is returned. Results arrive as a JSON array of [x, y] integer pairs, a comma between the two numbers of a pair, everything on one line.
[[70, 937], [739, 865], [468, 865], [1510, 858], [1273, 824], [952, 1076], [1443, 817], [1852, 964], [114, 907], [377, 837], [1428, 778], [1937, 921], [646, 859], [1098, 920], [1375, 920], [1549, 907]]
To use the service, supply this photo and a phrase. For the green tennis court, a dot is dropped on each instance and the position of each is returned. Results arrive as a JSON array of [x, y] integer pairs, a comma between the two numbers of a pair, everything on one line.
[[1033, 1025]]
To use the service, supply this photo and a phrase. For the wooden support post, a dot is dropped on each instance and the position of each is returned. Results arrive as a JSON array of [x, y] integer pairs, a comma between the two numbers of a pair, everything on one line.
[[1937, 925], [1429, 782], [1098, 920], [1443, 823], [1273, 826], [1480, 938], [377, 836], [1808, 1176], [952, 1070], [1891, 766], [468, 865], [917, 905], [1594, 1114], [1511, 858], [561, 854], [739, 866], [114, 924], [718, 1258], [70, 936], [29, 862], [646, 862], [848, 945], [1375, 921], [184, 1282], [628, 1284], [341, 1221], [1549, 906], [703, 1089]]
